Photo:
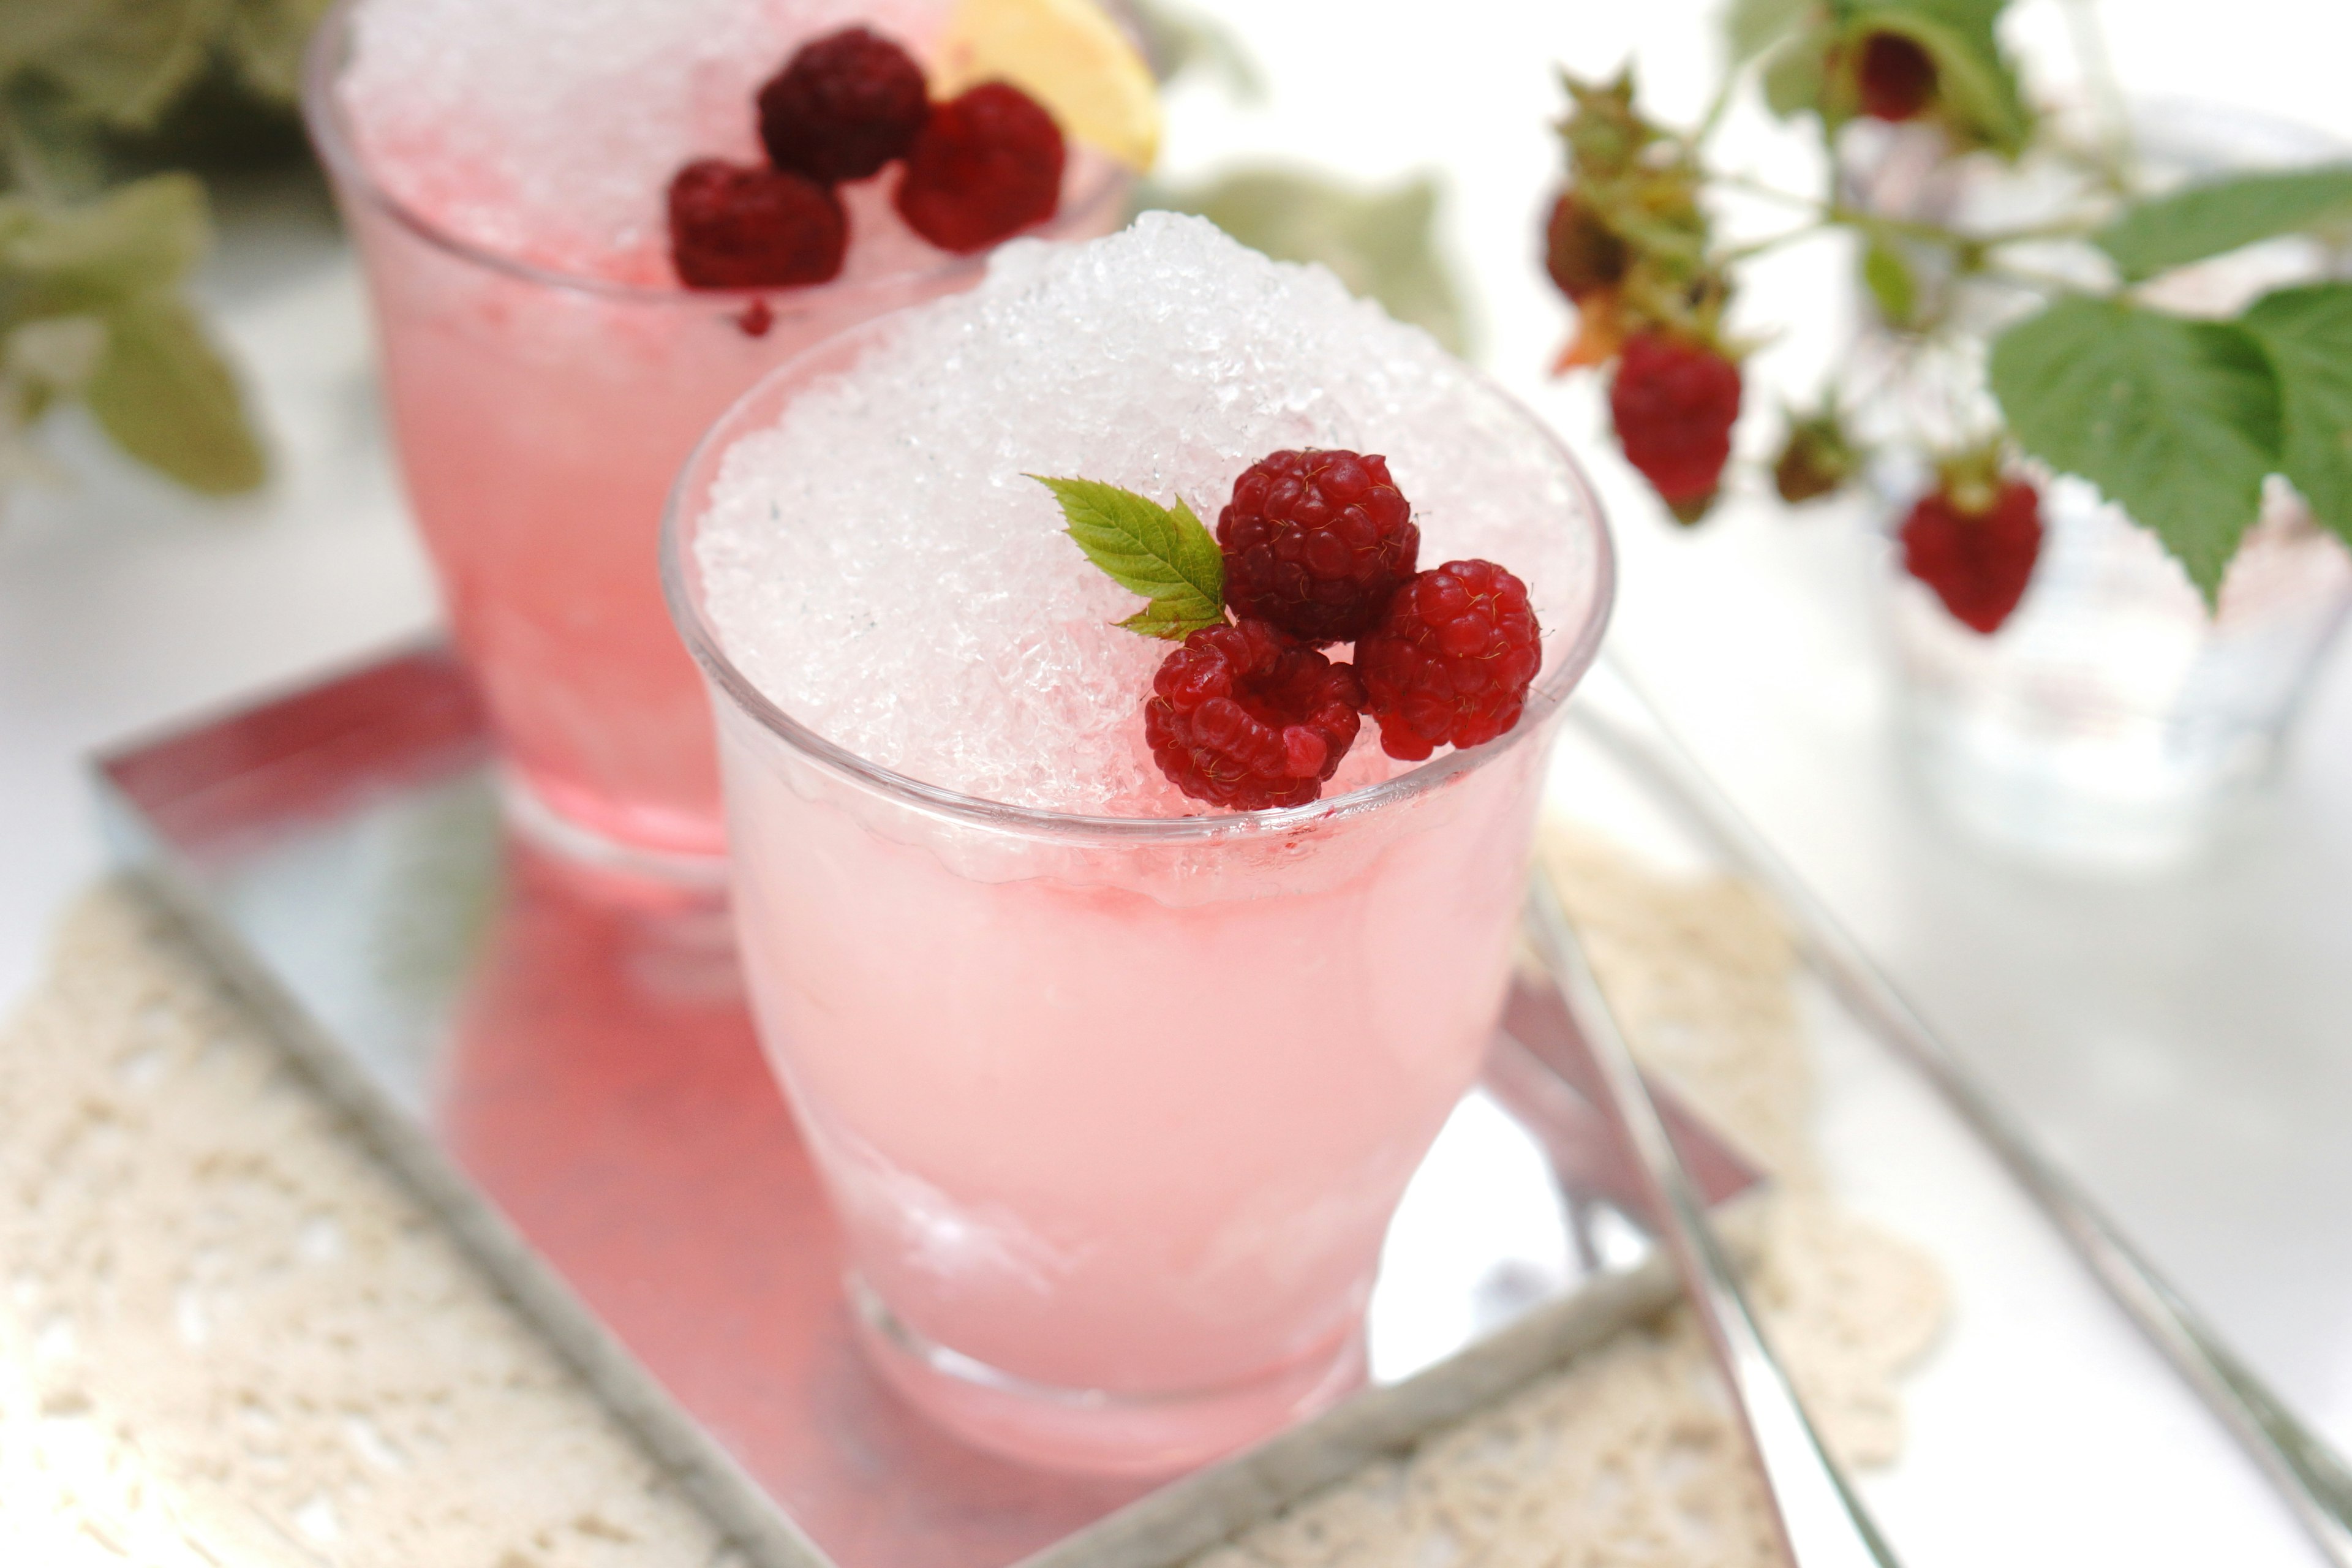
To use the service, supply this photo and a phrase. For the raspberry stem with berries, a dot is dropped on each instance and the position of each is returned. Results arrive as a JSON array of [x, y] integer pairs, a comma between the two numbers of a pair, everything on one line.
[[2086, 378]]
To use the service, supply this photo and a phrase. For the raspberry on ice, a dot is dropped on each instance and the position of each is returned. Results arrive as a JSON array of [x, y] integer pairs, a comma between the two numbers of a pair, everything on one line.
[[736, 226], [1453, 660], [986, 165], [1674, 403], [1244, 717], [843, 105], [1977, 561], [1316, 543]]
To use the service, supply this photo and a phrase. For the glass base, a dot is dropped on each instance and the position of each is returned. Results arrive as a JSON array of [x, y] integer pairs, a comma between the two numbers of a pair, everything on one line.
[[694, 874], [1090, 1430]]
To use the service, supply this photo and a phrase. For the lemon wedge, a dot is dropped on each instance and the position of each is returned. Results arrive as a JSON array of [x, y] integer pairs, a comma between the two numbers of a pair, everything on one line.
[[1070, 56]]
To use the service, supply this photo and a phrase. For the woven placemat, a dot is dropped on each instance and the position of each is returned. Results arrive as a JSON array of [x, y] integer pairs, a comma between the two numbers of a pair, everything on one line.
[[229, 1338]]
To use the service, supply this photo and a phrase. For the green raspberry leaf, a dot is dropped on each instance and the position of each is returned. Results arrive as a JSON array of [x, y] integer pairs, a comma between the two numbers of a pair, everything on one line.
[[2308, 333], [2216, 217], [2176, 421], [1167, 556]]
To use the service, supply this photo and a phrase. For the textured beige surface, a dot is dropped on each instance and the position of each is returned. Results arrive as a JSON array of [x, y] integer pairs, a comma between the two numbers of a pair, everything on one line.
[[227, 1337]]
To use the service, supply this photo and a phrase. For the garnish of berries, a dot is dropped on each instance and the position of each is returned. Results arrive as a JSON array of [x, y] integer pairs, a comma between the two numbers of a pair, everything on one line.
[[1452, 660], [1674, 401], [736, 226], [986, 165], [843, 106], [1974, 541], [1316, 543], [1247, 713], [1244, 717], [1897, 76]]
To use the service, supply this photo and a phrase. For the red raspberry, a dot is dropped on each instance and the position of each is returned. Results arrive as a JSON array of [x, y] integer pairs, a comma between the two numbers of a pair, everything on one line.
[[1579, 252], [1453, 660], [1242, 716], [1674, 403], [1977, 562], [1897, 76], [1316, 543], [987, 164], [733, 227], [843, 107]]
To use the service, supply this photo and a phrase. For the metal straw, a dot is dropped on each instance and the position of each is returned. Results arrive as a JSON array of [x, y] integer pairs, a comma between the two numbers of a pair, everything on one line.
[[1820, 1521]]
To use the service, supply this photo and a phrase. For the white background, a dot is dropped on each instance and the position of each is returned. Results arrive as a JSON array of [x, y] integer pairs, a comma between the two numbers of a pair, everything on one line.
[[2184, 1045]]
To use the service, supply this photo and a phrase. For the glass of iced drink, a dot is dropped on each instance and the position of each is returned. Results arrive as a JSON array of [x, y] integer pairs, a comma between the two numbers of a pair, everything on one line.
[[1114, 1091], [505, 167]]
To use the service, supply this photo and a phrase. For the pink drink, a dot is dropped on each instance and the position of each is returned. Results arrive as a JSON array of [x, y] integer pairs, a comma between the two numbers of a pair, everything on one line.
[[1115, 1101], [547, 374]]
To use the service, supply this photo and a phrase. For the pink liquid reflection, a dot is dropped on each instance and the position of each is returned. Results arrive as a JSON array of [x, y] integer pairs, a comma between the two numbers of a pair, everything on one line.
[[605, 1088]]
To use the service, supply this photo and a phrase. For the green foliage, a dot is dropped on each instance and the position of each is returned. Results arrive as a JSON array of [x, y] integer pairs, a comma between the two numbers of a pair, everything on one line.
[[2177, 421], [1381, 244], [2215, 217], [108, 275], [2308, 334], [91, 302], [1168, 556], [1893, 288]]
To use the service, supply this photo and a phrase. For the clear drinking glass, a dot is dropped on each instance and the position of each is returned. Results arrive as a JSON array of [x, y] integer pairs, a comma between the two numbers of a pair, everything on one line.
[[1084, 1232], [539, 418]]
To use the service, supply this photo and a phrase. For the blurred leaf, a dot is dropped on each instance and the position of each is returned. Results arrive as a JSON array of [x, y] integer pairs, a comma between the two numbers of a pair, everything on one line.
[[1891, 284], [122, 61], [1752, 26], [2177, 422], [1794, 78], [1381, 244], [46, 360], [2220, 216], [166, 396], [141, 238], [2308, 333], [266, 39], [1178, 38]]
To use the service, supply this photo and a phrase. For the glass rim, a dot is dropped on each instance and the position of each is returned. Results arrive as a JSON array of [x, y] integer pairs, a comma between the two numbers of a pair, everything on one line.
[[1545, 699], [323, 58]]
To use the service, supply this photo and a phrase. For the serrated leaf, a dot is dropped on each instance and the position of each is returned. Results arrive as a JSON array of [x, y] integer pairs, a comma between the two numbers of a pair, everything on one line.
[[1164, 554], [1380, 243], [2215, 217], [1892, 286], [1752, 26], [2308, 333], [2176, 421], [166, 396]]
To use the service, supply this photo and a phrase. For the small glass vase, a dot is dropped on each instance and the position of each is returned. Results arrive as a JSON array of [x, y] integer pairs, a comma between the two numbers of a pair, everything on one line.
[[2112, 723]]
